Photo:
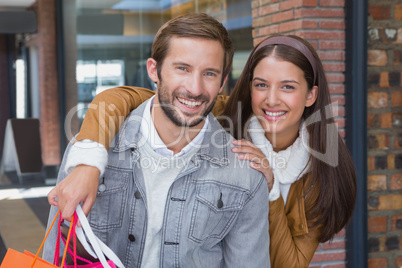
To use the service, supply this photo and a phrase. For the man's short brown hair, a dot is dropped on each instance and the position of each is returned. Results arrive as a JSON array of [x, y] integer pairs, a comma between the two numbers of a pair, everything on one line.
[[194, 25]]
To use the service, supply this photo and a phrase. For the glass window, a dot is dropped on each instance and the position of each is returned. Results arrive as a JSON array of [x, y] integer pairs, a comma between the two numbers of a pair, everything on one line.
[[113, 39]]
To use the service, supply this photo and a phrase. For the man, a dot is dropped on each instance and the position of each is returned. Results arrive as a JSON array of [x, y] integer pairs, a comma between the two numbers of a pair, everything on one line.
[[173, 194]]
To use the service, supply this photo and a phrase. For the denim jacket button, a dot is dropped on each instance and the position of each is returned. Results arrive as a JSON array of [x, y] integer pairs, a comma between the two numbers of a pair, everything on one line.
[[137, 195], [131, 237], [102, 188], [220, 203]]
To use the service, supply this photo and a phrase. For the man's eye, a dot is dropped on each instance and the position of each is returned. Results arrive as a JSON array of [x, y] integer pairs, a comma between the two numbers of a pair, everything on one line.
[[210, 74], [182, 68]]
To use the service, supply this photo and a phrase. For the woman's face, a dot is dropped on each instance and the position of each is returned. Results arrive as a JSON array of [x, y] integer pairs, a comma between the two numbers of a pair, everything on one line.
[[278, 96]]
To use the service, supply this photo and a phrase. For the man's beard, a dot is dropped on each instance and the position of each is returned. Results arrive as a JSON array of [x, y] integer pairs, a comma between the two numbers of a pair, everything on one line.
[[174, 114]]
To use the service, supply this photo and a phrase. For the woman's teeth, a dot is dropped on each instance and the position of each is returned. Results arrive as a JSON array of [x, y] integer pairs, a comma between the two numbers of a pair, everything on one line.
[[274, 113]]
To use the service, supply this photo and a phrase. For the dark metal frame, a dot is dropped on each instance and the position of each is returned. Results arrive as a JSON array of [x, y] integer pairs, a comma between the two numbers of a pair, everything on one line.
[[11, 58], [61, 73], [23, 53], [356, 126]]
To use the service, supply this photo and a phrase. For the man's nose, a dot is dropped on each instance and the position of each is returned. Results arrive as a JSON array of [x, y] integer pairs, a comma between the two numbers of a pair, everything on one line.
[[195, 84]]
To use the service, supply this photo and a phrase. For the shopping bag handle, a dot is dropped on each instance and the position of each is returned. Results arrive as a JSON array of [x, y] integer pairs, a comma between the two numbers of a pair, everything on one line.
[[44, 239], [96, 248], [71, 232], [99, 247], [72, 227], [91, 237], [47, 233]]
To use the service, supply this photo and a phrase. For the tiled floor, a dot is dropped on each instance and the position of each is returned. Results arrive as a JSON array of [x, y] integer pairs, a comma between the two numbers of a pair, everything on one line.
[[23, 213]]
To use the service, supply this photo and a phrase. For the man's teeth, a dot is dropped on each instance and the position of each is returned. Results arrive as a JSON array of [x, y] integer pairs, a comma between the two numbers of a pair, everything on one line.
[[274, 113], [191, 104]]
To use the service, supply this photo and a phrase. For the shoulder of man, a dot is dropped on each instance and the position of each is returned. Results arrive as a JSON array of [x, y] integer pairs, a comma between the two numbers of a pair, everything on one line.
[[237, 171], [129, 130]]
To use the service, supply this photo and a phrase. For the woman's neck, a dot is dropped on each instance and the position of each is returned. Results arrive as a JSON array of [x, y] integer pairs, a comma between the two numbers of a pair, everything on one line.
[[281, 141]]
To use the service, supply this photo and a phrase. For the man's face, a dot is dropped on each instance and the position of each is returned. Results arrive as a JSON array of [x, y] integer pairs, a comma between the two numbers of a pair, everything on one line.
[[191, 77]]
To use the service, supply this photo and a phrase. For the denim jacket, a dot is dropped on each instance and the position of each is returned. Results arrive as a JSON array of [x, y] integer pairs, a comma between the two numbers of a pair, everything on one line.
[[216, 214]]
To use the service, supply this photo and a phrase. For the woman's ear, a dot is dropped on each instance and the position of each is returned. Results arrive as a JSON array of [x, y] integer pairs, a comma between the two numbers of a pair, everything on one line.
[[152, 70], [312, 96]]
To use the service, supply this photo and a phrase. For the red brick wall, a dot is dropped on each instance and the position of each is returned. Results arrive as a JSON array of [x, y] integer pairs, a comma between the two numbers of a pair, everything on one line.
[[322, 23], [45, 41], [384, 141]]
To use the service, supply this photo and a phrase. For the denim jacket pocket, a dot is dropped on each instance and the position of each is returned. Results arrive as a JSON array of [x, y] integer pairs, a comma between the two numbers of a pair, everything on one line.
[[215, 209], [108, 209]]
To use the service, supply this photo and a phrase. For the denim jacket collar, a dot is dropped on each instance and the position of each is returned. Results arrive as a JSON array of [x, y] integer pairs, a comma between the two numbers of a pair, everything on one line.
[[214, 147]]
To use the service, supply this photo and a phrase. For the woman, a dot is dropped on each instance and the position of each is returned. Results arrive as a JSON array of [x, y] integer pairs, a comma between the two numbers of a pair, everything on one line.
[[280, 103], [284, 86]]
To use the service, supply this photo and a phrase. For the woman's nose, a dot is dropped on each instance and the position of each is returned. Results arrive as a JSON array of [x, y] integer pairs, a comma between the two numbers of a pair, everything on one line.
[[272, 97]]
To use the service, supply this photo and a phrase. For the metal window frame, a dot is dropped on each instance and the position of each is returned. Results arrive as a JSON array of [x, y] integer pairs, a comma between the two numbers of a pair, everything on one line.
[[61, 73], [356, 126]]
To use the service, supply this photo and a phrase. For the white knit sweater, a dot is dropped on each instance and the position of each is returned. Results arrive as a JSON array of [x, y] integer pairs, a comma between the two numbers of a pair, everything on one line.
[[288, 165]]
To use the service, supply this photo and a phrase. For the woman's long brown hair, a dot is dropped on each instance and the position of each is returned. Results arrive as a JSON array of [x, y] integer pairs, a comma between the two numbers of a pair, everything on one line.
[[332, 171]]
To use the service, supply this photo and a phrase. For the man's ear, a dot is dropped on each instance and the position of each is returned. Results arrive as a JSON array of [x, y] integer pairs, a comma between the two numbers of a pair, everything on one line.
[[152, 70], [312, 96], [223, 84]]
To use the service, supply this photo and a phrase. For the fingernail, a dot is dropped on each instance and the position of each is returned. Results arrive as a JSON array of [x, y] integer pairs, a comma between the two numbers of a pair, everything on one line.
[[234, 141], [234, 149], [240, 156]]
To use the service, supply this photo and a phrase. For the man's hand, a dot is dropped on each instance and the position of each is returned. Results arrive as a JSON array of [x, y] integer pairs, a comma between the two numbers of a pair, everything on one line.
[[80, 186]]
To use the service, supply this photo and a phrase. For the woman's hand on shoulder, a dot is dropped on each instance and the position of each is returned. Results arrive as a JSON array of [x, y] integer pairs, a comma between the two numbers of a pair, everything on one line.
[[248, 151]]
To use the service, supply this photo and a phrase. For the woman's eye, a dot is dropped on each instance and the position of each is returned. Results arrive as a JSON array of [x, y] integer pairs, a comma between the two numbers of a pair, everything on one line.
[[260, 85], [288, 87]]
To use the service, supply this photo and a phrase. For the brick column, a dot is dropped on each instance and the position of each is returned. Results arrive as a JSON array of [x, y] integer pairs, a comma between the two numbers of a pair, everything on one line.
[[322, 23], [384, 134], [48, 84]]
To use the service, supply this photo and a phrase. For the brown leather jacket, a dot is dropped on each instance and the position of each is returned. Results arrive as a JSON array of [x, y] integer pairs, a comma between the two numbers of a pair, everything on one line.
[[292, 243]]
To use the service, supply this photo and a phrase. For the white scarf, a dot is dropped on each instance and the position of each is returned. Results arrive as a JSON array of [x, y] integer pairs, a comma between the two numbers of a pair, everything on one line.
[[288, 165]]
